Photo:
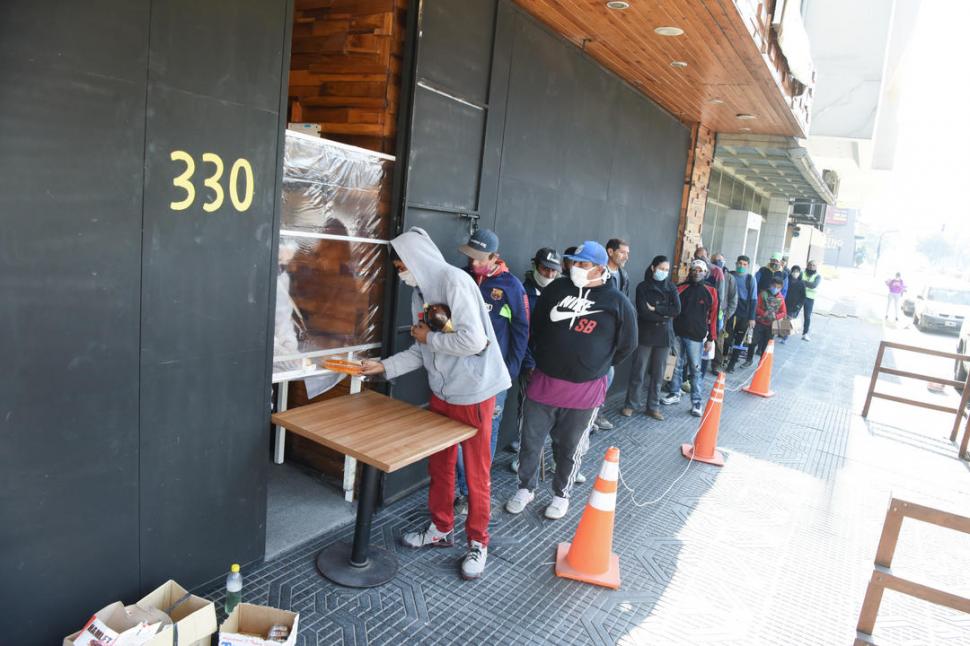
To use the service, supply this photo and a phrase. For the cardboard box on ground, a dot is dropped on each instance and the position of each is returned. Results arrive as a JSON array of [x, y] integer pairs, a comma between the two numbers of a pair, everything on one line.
[[167, 616], [248, 625]]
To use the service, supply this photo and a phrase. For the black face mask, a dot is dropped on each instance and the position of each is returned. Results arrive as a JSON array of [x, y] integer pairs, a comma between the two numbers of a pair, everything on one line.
[[809, 272]]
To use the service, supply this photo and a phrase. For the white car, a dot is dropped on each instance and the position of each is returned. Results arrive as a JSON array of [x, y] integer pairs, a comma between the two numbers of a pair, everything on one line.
[[942, 308]]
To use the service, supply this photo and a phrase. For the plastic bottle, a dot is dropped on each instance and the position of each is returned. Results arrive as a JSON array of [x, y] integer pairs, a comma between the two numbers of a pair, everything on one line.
[[233, 588]]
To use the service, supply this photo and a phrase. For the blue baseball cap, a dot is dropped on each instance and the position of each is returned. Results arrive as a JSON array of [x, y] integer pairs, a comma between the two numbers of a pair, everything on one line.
[[480, 245], [590, 251]]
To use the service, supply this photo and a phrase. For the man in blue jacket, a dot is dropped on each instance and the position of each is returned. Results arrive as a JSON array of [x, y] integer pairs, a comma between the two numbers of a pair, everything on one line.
[[508, 309], [744, 315]]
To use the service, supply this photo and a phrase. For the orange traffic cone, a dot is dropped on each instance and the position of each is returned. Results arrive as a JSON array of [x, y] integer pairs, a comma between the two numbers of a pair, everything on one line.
[[589, 558], [761, 384], [704, 448]]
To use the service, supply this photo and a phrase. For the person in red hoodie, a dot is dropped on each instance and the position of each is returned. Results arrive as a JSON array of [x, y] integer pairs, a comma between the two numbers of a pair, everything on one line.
[[771, 308]]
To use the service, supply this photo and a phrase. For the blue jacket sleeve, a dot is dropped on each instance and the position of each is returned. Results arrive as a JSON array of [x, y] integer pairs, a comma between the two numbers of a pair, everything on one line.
[[518, 328]]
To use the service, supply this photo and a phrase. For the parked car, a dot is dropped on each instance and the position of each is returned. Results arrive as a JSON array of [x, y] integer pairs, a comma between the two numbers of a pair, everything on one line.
[[942, 308]]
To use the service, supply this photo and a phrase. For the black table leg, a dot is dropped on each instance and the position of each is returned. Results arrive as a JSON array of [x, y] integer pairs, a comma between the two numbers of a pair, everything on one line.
[[359, 565]]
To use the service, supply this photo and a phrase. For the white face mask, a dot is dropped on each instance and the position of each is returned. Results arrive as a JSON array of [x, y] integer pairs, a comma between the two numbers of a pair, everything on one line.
[[541, 280], [408, 278], [579, 276]]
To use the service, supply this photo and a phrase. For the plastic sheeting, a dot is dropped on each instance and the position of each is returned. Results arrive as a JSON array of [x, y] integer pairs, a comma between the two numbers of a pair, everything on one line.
[[330, 286], [334, 188]]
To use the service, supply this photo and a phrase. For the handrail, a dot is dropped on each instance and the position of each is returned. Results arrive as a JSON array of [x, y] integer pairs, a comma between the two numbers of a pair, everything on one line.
[[883, 577], [958, 412]]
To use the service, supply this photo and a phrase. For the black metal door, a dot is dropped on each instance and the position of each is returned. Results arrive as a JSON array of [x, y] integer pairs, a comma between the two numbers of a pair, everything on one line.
[[449, 111]]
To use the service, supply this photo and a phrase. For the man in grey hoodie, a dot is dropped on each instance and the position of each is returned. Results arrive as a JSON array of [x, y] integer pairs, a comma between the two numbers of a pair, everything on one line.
[[465, 371]]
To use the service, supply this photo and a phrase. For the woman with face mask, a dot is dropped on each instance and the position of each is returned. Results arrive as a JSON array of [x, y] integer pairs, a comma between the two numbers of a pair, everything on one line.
[[657, 305]]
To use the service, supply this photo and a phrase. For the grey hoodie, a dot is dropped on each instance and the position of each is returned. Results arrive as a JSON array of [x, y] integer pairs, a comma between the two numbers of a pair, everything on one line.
[[465, 366]]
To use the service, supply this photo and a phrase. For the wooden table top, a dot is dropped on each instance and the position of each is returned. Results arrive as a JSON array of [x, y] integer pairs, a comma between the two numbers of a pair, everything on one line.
[[383, 432]]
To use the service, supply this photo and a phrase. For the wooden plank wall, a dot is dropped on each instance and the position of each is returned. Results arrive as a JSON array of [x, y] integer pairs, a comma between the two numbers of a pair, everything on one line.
[[697, 180], [345, 69]]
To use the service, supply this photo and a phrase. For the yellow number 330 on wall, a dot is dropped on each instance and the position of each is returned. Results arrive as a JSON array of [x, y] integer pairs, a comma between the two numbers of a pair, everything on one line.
[[183, 182]]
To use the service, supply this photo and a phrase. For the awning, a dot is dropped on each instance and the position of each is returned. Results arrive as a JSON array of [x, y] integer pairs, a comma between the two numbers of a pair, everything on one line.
[[778, 166]]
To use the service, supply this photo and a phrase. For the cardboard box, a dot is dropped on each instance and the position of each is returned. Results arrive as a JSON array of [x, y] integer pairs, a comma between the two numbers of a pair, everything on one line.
[[312, 129], [191, 622], [124, 626], [194, 617], [247, 625]]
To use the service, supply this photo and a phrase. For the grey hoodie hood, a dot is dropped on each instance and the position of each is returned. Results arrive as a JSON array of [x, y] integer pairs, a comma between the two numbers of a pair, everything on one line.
[[421, 256], [465, 366]]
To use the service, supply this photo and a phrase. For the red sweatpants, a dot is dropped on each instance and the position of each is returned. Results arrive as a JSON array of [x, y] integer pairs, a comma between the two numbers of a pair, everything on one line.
[[478, 464]]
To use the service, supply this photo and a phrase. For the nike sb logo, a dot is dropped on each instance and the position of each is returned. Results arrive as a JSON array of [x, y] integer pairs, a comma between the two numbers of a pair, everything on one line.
[[572, 307]]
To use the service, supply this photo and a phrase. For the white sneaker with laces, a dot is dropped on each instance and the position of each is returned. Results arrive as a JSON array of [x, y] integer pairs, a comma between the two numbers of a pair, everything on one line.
[[517, 503], [430, 537], [473, 564], [806, 337], [557, 508], [670, 400], [580, 478], [696, 411]]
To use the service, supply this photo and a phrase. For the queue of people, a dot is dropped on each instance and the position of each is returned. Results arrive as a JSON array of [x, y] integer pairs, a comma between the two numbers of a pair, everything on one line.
[[557, 337]]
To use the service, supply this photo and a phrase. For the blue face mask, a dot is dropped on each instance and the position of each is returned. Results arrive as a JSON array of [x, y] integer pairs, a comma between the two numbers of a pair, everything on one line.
[[719, 263], [660, 275], [775, 290]]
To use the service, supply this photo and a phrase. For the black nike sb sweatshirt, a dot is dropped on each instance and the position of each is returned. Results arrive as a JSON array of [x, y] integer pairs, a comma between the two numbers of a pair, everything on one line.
[[577, 334]]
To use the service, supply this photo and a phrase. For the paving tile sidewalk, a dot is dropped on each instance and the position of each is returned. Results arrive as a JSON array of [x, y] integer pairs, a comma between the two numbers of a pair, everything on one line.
[[776, 547]]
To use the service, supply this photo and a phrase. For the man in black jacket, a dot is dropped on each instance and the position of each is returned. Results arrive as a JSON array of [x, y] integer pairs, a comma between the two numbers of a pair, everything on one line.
[[657, 305], [581, 327], [696, 329]]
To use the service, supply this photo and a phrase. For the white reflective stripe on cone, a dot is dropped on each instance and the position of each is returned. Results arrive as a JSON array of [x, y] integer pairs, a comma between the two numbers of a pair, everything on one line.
[[771, 348], [602, 501], [609, 470]]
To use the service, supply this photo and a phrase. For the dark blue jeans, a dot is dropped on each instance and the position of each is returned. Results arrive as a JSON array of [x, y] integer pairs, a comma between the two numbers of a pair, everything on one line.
[[460, 483]]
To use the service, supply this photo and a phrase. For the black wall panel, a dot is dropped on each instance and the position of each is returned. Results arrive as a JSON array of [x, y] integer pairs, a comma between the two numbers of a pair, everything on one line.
[[583, 156], [214, 84], [134, 396], [456, 47], [72, 105]]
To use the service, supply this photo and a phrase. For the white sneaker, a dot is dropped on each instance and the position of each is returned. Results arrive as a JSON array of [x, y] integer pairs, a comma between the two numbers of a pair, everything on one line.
[[514, 466], [806, 337], [517, 503], [670, 400], [430, 537], [473, 564], [580, 478], [557, 508], [696, 411]]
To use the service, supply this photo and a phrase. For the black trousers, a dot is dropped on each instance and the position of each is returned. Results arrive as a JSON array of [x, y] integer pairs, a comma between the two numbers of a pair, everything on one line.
[[809, 306], [762, 334], [738, 330], [648, 362]]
